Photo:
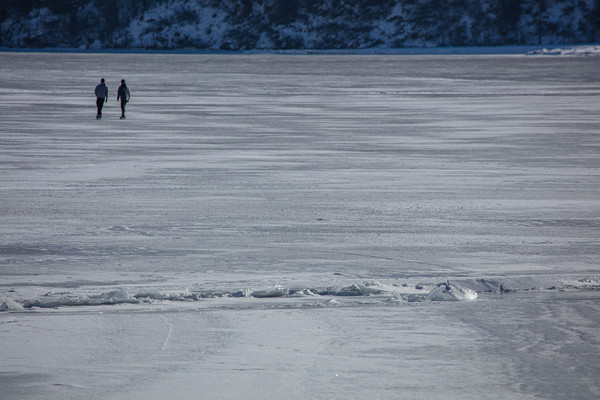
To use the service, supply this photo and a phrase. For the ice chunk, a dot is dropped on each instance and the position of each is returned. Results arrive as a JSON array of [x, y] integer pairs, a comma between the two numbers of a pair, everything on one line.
[[241, 293], [332, 302], [51, 300], [7, 304], [451, 292], [115, 296], [277, 291]]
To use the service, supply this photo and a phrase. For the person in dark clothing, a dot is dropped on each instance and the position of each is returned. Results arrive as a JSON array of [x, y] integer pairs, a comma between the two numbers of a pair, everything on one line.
[[123, 94], [101, 93]]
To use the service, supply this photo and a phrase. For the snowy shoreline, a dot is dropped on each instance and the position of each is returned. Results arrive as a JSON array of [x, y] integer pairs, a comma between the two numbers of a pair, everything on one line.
[[558, 50]]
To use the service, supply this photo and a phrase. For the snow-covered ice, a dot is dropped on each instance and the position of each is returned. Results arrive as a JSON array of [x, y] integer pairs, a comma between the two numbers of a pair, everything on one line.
[[300, 225], [579, 51]]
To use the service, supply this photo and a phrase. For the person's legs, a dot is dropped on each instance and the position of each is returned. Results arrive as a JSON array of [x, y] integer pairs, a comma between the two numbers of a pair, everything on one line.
[[123, 104], [99, 104]]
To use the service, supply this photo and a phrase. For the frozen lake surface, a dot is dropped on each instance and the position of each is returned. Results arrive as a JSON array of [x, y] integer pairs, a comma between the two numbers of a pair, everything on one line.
[[277, 225]]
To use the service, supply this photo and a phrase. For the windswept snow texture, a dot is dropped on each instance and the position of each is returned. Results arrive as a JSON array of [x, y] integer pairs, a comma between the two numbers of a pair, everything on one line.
[[300, 226]]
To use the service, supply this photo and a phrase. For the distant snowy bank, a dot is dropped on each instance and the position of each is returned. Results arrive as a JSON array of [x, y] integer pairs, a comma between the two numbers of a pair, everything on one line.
[[371, 292], [579, 51], [574, 50]]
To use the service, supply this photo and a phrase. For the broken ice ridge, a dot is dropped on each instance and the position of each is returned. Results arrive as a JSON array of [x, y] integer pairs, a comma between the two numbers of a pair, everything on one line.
[[463, 290]]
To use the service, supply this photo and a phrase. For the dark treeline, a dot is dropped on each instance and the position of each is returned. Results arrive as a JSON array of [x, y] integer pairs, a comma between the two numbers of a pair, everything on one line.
[[295, 24]]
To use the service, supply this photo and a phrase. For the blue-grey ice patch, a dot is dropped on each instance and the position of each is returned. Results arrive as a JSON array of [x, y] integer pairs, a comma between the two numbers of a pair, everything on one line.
[[451, 292], [277, 291], [355, 289]]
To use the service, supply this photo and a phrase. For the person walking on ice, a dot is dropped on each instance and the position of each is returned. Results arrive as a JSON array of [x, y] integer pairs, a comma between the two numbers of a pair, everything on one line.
[[101, 93], [123, 94]]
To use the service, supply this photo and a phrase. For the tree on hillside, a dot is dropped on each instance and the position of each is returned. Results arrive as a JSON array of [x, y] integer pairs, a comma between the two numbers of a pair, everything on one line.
[[533, 21], [595, 22]]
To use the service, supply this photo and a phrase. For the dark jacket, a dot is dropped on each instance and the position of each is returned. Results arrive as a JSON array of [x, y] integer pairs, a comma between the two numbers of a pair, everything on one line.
[[123, 93], [101, 91]]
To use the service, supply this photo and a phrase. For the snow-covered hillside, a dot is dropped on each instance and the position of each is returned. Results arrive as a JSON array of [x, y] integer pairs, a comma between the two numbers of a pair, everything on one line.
[[295, 24]]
